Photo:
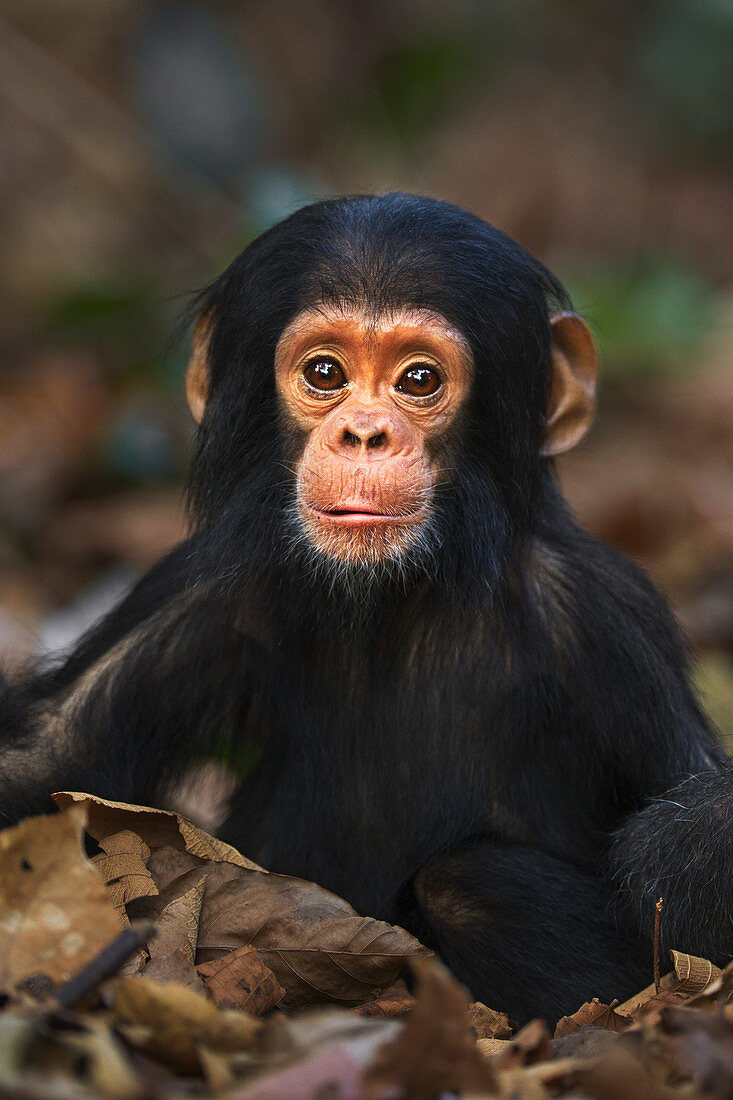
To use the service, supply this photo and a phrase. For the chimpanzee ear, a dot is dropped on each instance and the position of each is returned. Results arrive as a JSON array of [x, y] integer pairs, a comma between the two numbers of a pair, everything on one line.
[[573, 390], [197, 371]]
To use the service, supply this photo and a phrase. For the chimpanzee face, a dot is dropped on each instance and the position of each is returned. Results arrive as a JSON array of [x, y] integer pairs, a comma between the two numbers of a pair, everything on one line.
[[382, 365], [371, 397]]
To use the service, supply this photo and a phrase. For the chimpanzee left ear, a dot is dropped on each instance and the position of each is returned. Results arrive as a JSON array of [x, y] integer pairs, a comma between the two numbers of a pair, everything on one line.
[[573, 391], [197, 371]]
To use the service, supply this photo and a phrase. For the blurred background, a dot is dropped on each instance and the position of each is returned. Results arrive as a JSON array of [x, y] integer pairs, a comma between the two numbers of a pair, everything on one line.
[[144, 143]]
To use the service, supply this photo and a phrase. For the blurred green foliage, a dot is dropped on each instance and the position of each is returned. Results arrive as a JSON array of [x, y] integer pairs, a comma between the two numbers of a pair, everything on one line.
[[126, 325], [412, 85], [650, 317], [120, 317], [684, 62]]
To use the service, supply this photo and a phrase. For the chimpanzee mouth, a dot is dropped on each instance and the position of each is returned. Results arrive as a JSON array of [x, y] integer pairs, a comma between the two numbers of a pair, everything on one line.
[[359, 515]]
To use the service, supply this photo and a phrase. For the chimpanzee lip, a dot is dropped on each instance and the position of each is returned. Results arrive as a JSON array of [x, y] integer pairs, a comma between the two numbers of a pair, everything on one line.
[[358, 514]]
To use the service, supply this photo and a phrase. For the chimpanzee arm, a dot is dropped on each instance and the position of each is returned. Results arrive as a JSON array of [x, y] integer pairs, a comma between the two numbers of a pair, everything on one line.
[[680, 845], [133, 718], [680, 848], [675, 779], [527, 932]]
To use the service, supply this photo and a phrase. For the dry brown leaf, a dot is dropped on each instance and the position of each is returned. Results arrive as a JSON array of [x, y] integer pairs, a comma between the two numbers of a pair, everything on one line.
[[216, 1068], [693, 974], [176, 911], [286, 1036], [177, 924], [591, 1014], [242, 980], [172, 890], [55, 912], [619, 1075], [394, 1001], [631, 1006], [435, 1052], [717, 992], [169, 1021], [589, 1042], [489, 1047], [528, 1047], [122, 865], [488, 1024], [539, 1081], [17, 1036], [174, 967], [87, 1052], [702, 1043], [664, 999], [317, 946], [156, 827], [168, 865]]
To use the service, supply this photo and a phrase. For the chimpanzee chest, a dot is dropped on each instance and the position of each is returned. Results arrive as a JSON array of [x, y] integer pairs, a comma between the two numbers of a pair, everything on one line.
[[359, 796]]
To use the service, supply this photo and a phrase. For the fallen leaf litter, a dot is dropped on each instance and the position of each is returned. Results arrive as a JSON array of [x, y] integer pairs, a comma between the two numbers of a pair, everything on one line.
[[169, 965]]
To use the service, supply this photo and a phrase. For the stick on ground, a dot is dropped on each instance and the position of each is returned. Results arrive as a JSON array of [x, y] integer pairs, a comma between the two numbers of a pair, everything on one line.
[[106, 963], [657, 928]]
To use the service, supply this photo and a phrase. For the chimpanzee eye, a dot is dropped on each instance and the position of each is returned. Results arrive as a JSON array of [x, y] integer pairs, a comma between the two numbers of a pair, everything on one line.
[[419, 381], [324, 374]]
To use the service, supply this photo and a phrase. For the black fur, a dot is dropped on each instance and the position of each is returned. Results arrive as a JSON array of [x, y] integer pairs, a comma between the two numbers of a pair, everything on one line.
[[465, 742]]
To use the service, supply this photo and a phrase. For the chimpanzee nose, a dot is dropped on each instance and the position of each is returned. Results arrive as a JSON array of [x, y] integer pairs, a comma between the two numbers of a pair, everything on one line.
[[371, 439], [366, 430]]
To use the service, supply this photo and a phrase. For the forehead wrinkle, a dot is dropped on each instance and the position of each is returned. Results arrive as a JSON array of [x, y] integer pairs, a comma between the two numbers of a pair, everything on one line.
[[371, 320]]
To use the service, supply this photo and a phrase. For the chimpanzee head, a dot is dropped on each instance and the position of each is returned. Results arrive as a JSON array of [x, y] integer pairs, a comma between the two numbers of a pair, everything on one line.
[[380, 381]]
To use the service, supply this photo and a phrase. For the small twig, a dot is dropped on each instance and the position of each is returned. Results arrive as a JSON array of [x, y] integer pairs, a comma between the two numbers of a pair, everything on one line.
[[657, 927], [106, 963]]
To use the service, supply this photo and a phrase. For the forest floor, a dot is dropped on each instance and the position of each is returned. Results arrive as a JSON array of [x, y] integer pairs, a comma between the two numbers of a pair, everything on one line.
[[169, 965]]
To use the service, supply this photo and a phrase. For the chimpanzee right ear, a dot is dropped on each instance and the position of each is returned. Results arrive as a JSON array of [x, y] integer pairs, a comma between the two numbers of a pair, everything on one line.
[[197, 371], [573, 391]]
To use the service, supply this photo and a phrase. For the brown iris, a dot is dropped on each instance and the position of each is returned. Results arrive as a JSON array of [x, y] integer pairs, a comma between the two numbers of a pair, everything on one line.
[[324, 374], [419, 381]]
